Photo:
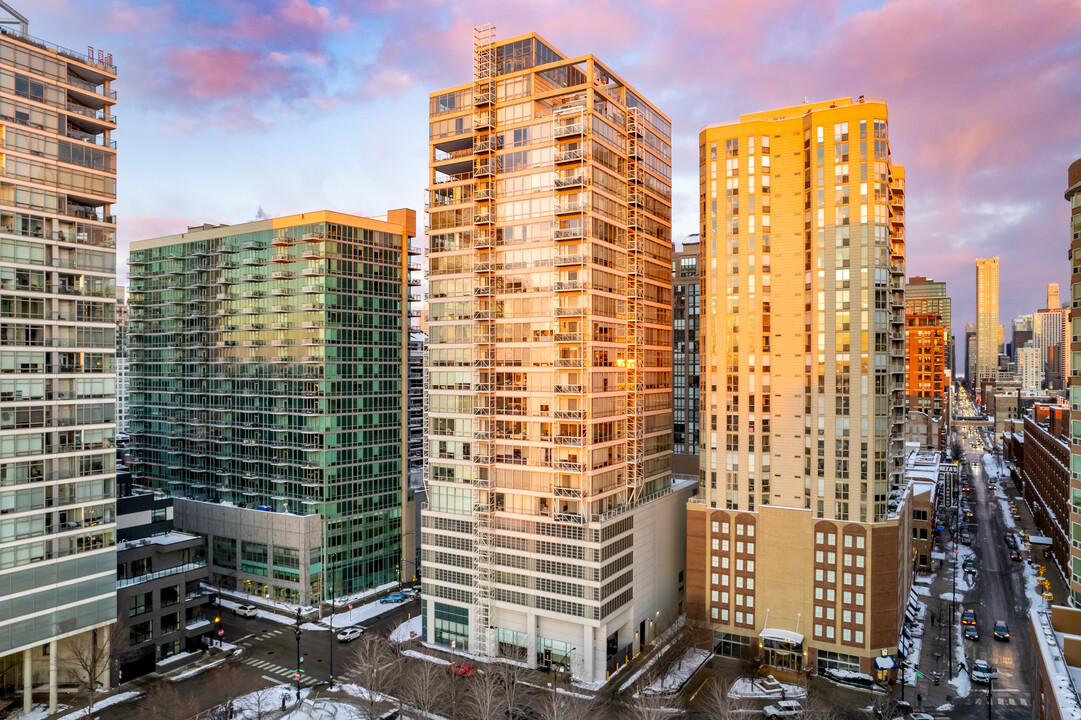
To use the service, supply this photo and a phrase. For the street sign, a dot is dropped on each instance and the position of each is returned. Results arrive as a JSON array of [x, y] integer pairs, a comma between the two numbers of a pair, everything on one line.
[[221, 632]]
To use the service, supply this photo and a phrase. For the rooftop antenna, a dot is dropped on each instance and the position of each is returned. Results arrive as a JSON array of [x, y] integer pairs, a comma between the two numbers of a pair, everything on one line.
[[9, 17]]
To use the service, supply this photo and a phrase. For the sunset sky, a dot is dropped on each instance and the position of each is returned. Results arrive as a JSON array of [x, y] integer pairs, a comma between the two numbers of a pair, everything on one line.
[[226, 106]]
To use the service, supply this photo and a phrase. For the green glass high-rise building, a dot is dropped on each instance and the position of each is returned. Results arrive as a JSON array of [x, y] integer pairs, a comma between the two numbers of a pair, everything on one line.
[[269, 390]]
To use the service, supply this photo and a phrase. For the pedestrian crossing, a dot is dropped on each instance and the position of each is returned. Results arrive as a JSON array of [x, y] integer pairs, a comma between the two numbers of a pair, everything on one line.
[[1010, 700], [285, 673], [260, 637]]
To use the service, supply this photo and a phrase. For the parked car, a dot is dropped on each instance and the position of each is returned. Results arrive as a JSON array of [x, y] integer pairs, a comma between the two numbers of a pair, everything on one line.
[[965, 538], [785, 708], [1011, 541], [462, 669], [971, 633], [970, 567], [1002, 630], [982, 671], [968, 617], [392, 598], [350, 634], [411, 593], [245, 610]]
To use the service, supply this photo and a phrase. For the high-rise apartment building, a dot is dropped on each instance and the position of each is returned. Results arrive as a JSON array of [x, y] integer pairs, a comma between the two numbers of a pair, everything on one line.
[[57, 351], [927, 384], [924, 296], [552, 529], [686, 309], [269, 387], [1073, 196], [122, 321], [1030, 368], [1022, 333], [1049, 338], [1052, 296], [799, 542], [970, 355], [988, 331]]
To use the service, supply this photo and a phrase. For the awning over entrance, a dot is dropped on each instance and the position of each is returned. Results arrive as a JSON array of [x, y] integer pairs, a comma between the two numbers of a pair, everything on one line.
[[885, 663], [1039, 540], [783, 636]]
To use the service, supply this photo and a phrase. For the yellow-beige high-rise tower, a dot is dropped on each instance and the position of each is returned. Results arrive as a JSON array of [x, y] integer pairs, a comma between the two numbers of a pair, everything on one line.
[[988, 331], [798, 543], [552, 531]]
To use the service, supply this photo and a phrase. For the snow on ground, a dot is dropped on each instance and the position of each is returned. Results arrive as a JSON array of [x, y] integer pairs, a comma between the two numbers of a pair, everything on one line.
[[993, 465], [359, 691], [38, 712], [921, 590], [198, 669], [945, 708], [961, 681], [424, 656], [100, 704], [660, 644], [247, 599], [679, 672], [360, 613], [561, 691], [267, 615], [407, 630], [752, 688], [260, 703], [955, 597]]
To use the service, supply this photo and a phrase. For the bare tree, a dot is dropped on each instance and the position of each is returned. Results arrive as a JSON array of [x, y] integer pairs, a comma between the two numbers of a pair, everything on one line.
[[372, 666], [718, 704], [485, 698], [509, 673], [424, 686], [563, 703], [257, 705], [165, 702], [91, 656], [656, 707]]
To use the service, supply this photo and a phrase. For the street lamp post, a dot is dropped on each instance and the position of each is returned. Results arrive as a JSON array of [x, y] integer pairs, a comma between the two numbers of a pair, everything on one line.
[[332, 641], [297, 631]]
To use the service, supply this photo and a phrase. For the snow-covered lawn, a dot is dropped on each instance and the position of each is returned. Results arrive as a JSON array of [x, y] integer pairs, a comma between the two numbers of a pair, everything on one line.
[[407, 630], [104, 703], [752, 688], [38, 712], [679, 672]]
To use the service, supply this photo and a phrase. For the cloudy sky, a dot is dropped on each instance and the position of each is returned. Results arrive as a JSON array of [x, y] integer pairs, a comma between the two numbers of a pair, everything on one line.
[[227, 106]]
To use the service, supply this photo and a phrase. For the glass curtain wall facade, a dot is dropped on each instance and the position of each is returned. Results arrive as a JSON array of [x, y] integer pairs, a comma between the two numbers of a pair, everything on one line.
[[1073, 197], [686, 309], [988, 331], [800, 518], [57, 356], [268, 373], [548, 400]]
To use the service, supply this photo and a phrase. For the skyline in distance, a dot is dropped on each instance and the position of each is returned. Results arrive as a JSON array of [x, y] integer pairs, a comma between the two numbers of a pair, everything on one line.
[[296, 105]]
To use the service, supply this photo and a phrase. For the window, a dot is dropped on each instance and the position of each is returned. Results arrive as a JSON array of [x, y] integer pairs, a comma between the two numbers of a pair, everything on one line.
[[139, 604], [140, 633], [170, 596], [170, 623], [451, 626], [158, 515]]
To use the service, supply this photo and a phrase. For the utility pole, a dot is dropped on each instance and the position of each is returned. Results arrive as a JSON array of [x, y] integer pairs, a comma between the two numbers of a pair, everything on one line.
[[297, 631]]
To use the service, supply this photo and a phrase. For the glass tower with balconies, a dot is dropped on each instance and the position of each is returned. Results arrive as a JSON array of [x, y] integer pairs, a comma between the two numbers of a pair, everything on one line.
[[57, 355], [269, 389], [548, 403]]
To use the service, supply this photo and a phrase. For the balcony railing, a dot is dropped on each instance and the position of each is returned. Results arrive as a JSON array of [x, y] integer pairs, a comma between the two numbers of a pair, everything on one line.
[[126, 582]]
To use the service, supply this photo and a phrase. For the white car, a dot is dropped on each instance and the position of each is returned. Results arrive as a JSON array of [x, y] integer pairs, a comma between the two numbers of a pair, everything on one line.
[[783, 709], [245, 610], [350, 634], [982, 671]]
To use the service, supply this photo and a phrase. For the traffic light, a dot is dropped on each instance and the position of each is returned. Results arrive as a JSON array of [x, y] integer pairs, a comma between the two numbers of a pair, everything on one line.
[[221, 632]]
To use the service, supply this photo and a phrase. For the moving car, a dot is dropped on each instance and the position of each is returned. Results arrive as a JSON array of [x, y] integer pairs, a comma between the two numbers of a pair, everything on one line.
[[982, 671], [462, 669], [968, 617], [1014, 555], [969, 514], [992, 486], [785, 708], [245, 610], [971, 633], [966, 539], [392, 598], [350, 634], [1002, 630], [970, 567]]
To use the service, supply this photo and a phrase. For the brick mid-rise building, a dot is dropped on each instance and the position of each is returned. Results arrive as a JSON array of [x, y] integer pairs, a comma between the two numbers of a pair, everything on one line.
[[1046, 476]]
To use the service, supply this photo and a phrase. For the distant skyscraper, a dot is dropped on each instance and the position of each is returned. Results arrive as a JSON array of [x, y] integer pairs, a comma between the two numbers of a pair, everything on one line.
[[1022, 334], [1052, 296], [1073, 196], [269, 386], [1051, 340], [802, 556], [57, 439], [552, 529], [686, 309], [970, 355], [988, 330], [1030, 368], [924, 296]]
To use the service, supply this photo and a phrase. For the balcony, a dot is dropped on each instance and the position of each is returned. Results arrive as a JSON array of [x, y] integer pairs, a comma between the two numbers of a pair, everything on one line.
[[569, 440], [568, 156], [569, 362], [483, 218], [482, 291], [568, 130], [568, 389], [570, 181], [483, 120], [569, 285], [566, 260], [569, 465], [570, 233], [569, 208], [575, 311], [569, 337]]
